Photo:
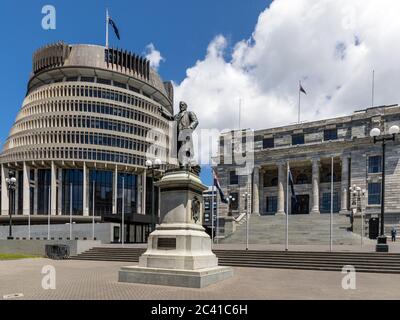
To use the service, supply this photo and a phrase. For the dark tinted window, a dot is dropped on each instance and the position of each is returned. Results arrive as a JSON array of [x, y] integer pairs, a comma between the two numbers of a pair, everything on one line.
[[103, 81], [374, 164], [120, 85], [87, 79], [374, 193], [268, 143], [297, 138], [330, 134], [233, 178]]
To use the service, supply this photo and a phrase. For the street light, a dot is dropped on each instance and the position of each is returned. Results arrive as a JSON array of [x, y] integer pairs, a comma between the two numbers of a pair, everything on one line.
[[230, 200], [153, 165], [376, 134], [246, 197], [11, 182], [357, 195]]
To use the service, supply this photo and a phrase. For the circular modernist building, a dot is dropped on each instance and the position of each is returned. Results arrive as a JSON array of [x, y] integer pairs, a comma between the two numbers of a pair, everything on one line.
[[81, 139]]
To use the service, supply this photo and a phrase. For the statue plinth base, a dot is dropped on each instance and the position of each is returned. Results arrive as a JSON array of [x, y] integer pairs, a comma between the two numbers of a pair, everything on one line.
[[179, 250]]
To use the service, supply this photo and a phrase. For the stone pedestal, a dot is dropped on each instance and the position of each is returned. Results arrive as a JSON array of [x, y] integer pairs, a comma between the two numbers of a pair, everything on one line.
[[179, 250]]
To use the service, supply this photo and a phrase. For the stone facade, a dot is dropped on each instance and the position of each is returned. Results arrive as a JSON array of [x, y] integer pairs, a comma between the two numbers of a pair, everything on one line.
[[309, 149]]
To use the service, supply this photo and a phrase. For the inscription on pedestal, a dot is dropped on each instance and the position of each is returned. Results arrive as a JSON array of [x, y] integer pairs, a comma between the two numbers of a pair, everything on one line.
[[166, 243]]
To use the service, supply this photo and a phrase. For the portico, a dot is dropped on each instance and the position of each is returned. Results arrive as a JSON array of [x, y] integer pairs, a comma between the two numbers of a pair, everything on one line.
[[312, 182]]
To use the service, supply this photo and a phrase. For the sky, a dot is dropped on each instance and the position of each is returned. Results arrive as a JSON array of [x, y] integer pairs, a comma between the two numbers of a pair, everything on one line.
[[218, 53]]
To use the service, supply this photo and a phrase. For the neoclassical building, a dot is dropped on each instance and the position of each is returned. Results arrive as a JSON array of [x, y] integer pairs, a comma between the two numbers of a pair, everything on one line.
[[85, 126], [308, 148]]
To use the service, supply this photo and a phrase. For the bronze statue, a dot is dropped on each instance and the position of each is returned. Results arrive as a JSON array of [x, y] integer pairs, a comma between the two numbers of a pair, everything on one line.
[[185, 123]]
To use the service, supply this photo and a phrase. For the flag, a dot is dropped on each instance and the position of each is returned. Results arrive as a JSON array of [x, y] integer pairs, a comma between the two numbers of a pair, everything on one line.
[[112, 23], [216, 183], [302, 89], [291, 183]]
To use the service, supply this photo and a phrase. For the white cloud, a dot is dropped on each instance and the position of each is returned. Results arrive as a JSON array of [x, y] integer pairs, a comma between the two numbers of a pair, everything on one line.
[[331, 45], [154, 56]]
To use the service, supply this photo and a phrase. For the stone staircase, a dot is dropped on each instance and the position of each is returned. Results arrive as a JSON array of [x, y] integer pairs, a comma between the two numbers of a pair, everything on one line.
[[323, 261], [303, 230]]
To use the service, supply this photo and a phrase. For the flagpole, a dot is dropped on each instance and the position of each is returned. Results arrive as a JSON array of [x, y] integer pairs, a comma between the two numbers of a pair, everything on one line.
[[298, 115], [287, 208], [331, 215], [212, 216], [107, 18], [373, 88]]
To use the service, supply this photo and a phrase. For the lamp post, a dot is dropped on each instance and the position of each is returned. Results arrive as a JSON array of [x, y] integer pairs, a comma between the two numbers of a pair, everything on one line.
[[246, 197], [358, 195], [152, 166], [11, 182], [375, 133], [230, 200]]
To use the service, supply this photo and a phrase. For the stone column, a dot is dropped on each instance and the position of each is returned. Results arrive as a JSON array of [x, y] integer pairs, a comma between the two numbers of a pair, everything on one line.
[[16, 193], [144, 192], [60, 186], [344, 185], [261, 192], [85, 191], [35, 193], [139, 194], [53, 189], [281, 189], [115, 191], [315, 186], [4, 191], [256, 186], [25, 191]]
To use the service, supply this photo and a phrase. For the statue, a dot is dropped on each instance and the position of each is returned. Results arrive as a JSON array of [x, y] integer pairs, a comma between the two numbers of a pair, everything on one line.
[[186, 122]]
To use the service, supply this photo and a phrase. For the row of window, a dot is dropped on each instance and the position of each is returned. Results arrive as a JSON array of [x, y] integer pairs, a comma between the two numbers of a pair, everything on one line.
[[325, 207], [71, 189], [91, 92], [83, 122], [76, 154], [374, 166], [83, 138], [298, 138], [93, 107], [91, 80]]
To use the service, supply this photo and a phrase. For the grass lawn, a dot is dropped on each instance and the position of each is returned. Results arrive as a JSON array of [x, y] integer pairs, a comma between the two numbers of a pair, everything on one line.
[[15, 256]]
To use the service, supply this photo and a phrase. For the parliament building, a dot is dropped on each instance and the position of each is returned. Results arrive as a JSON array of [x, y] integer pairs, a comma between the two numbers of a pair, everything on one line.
[[308, 149], [82, 135]]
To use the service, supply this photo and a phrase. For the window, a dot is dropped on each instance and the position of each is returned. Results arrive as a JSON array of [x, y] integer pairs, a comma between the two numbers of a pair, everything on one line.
[[374, 193], [272, 204], [375, 164], [326, 202], [297, 139], [330, 134], [87, 79], [233, 178], [103, 81], [120, 85], [268, 143], [302, 178]]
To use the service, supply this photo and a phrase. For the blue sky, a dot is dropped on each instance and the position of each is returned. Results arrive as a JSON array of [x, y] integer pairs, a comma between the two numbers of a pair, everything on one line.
[[180, 29]]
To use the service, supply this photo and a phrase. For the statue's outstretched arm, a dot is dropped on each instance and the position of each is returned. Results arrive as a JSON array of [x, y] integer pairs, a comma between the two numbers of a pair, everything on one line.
[[165, 115]]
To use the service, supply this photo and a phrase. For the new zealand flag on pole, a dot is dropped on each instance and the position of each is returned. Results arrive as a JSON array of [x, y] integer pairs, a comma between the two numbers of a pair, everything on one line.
[[216, 183], [291, 183], [112, 23]]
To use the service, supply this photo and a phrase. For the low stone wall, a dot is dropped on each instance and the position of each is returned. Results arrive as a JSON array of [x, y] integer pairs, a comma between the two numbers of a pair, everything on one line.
[[37, 247], [102, 231]]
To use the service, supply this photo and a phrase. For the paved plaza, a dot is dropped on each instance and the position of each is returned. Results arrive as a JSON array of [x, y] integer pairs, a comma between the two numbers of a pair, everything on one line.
[[98, 280]]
